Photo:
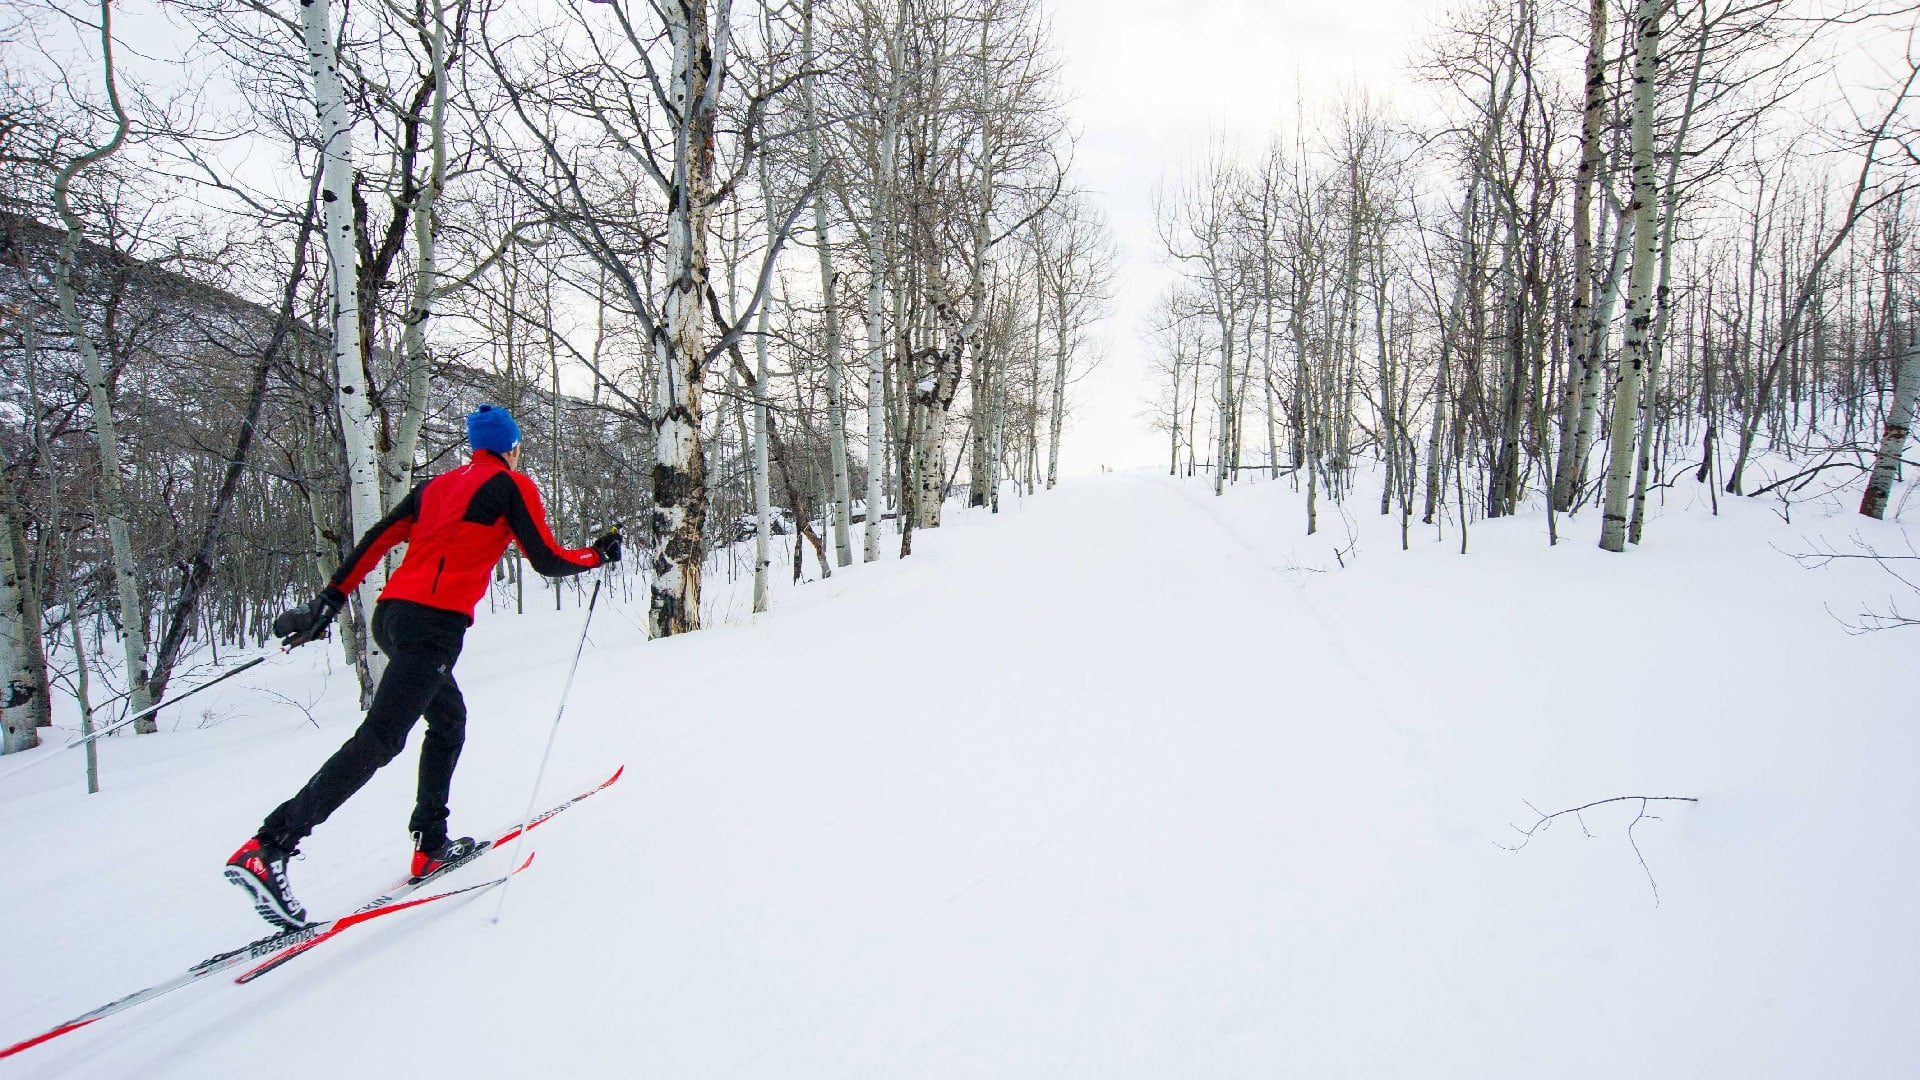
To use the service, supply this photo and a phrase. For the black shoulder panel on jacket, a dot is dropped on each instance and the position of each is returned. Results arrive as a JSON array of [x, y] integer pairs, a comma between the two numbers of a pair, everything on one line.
[[492, 500]]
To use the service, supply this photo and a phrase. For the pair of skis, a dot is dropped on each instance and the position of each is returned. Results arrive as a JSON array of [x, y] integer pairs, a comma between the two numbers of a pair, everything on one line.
[[274, 950], [396, 897]]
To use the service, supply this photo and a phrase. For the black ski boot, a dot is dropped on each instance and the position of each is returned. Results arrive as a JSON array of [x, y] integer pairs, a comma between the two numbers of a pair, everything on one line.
[[261, 869], [430, 861]]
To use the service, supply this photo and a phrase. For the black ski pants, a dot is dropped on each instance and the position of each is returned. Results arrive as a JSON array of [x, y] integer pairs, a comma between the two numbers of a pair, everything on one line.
[[421, 644]]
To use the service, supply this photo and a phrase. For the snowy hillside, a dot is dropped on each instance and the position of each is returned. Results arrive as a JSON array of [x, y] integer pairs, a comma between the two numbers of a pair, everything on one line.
[[1125, 782]]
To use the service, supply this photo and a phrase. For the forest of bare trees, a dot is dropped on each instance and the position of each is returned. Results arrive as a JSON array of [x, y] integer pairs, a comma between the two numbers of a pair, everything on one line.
[[779, 282], [1634, 246], [741, 270]]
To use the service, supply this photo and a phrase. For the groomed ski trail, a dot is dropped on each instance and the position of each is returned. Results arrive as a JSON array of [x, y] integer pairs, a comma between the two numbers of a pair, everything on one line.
[[1093, 788]]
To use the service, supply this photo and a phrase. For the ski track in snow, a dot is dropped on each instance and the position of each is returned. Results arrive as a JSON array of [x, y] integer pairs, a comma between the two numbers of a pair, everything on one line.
[[1112, 784]]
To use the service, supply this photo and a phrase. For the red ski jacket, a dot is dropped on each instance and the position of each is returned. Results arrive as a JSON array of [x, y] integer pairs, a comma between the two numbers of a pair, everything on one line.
[[456, 526]]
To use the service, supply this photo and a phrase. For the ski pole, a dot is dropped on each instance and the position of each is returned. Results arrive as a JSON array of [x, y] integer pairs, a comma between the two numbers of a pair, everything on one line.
[[561, 710], [124, 721]]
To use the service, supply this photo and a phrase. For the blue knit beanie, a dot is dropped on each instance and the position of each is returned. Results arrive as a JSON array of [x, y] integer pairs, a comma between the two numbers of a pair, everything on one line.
[[491, 427]]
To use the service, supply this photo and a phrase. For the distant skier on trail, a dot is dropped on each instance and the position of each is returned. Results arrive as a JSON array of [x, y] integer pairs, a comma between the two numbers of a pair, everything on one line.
[[456, 526]]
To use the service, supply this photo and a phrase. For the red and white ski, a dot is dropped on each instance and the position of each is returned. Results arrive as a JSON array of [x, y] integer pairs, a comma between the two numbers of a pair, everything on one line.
[[335, 927], [267, 946], [275, 949], [406, 886]]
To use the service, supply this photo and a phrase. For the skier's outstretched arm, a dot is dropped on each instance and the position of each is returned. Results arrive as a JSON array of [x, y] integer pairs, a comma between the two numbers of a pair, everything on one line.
[[527, 517]]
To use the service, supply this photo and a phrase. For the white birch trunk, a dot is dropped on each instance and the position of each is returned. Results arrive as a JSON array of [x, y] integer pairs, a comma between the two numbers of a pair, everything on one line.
[[876, 342], [931, 398], [1633, 356], [1583, 385], [934, 394], [988, 375], [1893, 440], [1657, 346], [113, 502], [999, 441], [762, 501], [1225, 443], [1173, 418], [982, 395], [679, 469], [1456, 312], [1057, 413], [25, 684], [1350, 319], [426, 281], [63, 557], [1599, 324], [842, 502], [354, 404], [18, 686]]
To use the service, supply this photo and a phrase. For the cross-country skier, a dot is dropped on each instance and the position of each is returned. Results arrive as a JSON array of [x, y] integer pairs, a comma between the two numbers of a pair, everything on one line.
[[456, 526]]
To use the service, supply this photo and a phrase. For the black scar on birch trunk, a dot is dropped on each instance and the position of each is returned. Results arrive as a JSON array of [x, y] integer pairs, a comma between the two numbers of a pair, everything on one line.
[[680, 548], [1874, 503]]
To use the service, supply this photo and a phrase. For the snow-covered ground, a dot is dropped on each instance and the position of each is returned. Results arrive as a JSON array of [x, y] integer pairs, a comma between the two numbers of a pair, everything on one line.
[[1128, 781]]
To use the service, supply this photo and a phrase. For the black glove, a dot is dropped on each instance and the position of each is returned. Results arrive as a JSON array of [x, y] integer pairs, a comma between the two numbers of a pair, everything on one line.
[[609, 545], [301, 625]]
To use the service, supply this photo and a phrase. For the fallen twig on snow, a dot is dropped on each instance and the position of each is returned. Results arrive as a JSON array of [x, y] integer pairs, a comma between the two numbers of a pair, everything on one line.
[[1546, 819]]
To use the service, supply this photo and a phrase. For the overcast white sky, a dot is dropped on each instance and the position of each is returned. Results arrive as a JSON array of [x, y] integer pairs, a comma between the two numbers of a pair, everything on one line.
[[1238, 68]]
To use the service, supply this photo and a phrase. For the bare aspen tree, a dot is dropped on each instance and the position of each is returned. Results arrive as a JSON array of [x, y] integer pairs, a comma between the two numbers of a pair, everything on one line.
[[1449, 333], [1063, 330], [1633, 356], [1173, 334], [25, 699], [762, 498], [23, 686], [1906, 386], [426, 277], [1583, 379], [633, 141], [997, 441], [989, 391], [842, 502], [352, 398], [25, 704], [18, 684], [1670, 215], [933, 393], [1265, 210], [1010, 107], [1194, 229], [1886, 466], [113, 502], [877, 254], [1074, 274], [680, 346]]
